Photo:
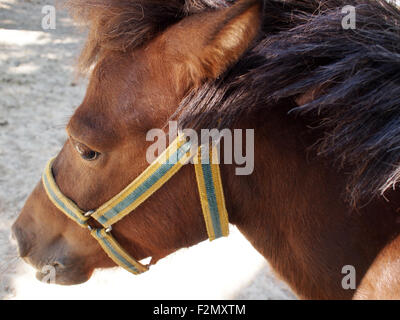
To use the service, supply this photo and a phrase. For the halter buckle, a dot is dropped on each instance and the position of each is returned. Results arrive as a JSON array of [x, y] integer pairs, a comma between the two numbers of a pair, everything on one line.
[[109, 229], [89, 213]]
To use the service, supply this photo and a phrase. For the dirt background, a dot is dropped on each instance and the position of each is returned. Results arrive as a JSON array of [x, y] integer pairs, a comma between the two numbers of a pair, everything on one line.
[[38, 93]]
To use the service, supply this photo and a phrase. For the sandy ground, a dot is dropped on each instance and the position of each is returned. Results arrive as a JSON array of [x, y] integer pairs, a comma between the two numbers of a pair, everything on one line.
[[38, 93]]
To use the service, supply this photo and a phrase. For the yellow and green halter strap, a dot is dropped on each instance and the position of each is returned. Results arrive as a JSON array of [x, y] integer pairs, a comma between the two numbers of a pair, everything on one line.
[[159, 172]]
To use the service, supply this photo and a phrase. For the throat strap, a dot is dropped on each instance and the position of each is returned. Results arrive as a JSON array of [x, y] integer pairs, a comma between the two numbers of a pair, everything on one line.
[[154, 177], [211, 194]]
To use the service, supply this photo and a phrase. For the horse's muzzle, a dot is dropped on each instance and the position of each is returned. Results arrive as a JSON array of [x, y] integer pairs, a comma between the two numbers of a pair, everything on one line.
[[23, 241], [52, 268]]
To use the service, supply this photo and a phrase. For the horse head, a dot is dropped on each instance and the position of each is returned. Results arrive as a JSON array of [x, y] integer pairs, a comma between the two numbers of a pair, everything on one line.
[[130, 92]]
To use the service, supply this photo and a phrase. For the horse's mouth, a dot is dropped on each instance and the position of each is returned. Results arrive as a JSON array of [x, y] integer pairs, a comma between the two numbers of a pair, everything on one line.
[[63, 277], [57, 273]]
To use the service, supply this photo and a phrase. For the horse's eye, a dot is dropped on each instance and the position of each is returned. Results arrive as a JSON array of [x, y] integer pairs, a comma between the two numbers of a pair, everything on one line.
[[85, 152]]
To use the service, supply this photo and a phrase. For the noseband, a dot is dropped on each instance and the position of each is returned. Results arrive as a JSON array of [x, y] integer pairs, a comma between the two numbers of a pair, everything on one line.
[[149, 181]]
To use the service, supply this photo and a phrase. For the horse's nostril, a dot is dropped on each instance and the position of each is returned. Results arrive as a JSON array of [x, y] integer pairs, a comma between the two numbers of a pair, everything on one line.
[[23, 244]]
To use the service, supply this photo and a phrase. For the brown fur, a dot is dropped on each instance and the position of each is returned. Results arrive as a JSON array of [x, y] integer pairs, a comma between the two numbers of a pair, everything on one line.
[[290, 208]]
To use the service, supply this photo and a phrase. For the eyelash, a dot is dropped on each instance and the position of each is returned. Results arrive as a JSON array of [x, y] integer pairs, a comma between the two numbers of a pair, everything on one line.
[[85, 152]]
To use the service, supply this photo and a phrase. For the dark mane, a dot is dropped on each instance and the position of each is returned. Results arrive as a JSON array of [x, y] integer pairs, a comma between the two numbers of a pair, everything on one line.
[[359, 106], [302, 46]]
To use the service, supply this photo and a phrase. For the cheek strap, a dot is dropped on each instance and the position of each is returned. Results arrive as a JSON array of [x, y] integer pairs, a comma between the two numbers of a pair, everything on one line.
[[154, 177]]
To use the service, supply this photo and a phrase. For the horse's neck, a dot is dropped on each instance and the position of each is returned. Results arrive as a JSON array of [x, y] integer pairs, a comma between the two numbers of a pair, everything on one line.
[[292, 211]]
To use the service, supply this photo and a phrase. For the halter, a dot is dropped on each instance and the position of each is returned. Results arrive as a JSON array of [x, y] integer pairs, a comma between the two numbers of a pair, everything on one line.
[[149, 181]]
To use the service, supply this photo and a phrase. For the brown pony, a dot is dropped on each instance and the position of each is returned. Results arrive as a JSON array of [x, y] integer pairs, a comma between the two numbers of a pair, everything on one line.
[[324, 104]]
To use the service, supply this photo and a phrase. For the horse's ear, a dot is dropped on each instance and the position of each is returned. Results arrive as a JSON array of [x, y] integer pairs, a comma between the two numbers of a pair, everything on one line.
[[215, 40]]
